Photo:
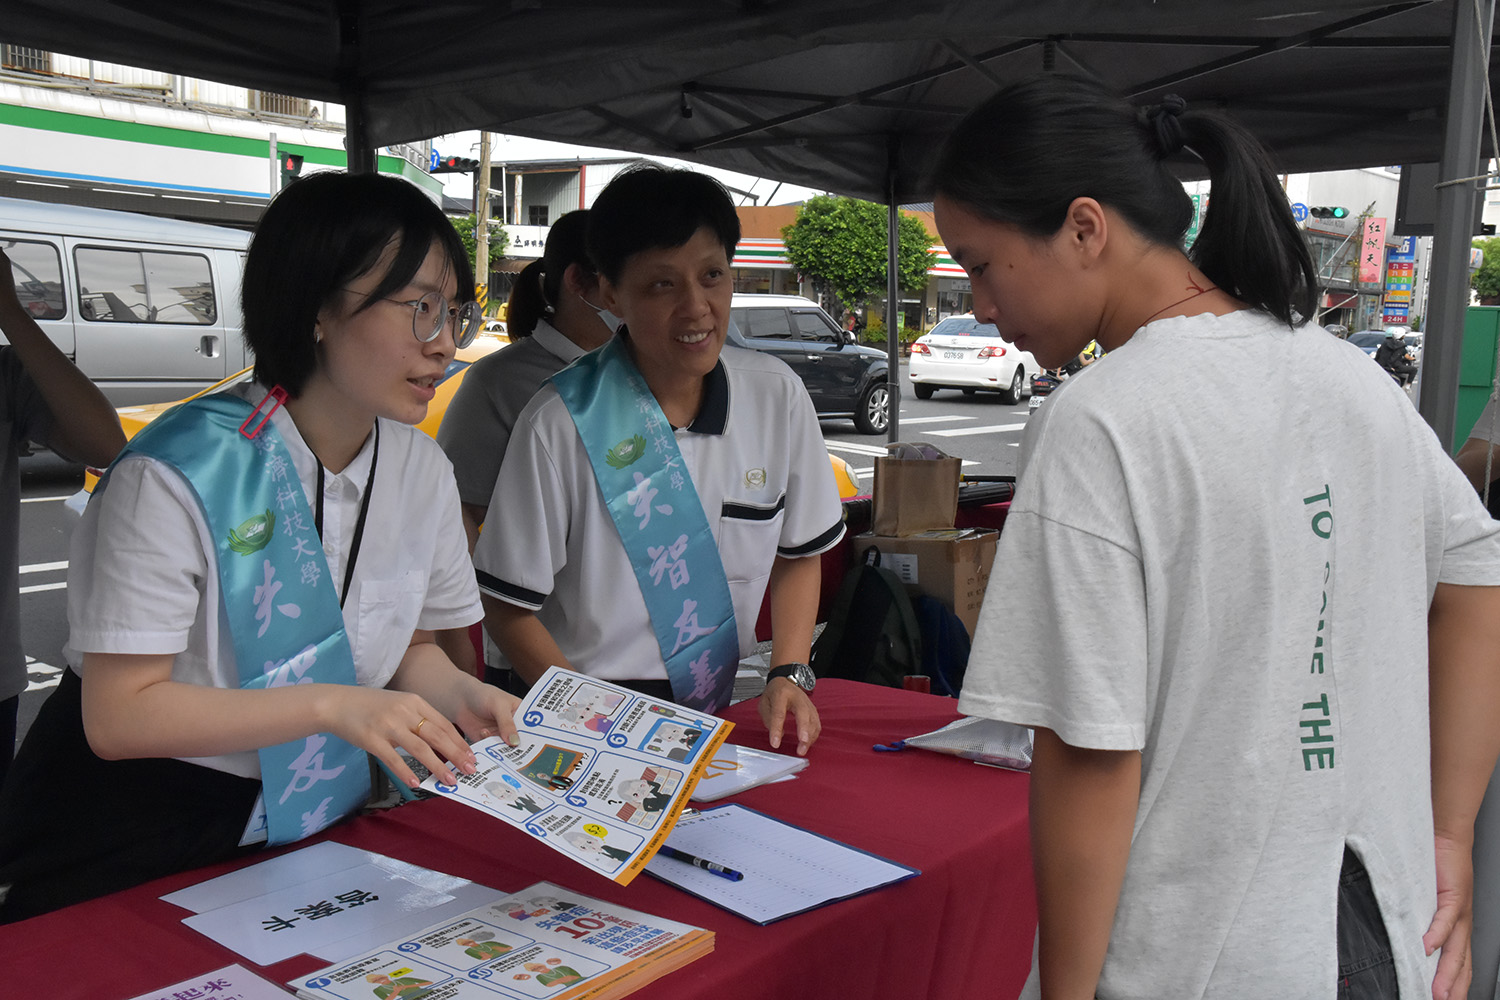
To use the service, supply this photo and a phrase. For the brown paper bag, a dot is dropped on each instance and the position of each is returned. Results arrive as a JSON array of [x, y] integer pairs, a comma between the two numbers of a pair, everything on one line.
[[913, 495]]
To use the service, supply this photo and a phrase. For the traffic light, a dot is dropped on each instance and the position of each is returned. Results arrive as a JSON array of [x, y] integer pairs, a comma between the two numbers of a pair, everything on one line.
[[456, 165], [1328, 212], [291, 167]]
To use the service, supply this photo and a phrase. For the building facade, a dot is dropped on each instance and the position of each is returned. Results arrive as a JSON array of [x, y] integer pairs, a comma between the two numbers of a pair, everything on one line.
[[107, 136]]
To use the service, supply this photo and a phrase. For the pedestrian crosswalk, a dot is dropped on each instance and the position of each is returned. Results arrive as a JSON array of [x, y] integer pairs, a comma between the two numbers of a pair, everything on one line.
[[877, 450], [40, 676], [35, 569]]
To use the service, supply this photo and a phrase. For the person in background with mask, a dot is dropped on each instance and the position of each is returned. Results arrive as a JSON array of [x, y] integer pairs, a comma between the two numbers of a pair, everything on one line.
[[552, 321]]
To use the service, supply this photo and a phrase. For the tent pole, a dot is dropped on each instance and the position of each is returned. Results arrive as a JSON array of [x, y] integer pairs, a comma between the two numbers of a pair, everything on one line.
[[358, 153], [892, 303], [357, 146], [1448, 296]]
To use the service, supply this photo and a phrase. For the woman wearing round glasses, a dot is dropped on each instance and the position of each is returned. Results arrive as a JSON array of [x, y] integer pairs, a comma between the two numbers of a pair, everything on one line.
[[255, 584]]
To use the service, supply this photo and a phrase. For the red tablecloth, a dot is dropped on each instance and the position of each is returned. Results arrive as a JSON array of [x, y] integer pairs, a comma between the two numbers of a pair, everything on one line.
[[963, 928]]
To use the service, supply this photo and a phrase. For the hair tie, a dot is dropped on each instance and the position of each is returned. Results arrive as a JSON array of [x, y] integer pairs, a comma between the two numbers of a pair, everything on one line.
[[1165, 127], [541, 284]]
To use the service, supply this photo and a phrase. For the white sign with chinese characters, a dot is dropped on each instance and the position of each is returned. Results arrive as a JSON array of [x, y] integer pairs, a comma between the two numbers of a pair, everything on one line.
[[356, 902]]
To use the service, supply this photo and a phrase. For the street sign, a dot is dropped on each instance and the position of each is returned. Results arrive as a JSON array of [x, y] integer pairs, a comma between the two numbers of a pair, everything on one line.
[[1299, 211], [432, 160]]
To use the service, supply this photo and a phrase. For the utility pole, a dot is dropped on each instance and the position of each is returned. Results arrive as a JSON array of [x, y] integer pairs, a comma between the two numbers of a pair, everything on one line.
[[482, 218]]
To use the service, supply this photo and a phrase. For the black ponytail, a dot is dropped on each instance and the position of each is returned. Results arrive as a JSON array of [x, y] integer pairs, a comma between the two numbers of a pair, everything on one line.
[[539, 287], [1249, 245], [526, 305], [1027, 153]]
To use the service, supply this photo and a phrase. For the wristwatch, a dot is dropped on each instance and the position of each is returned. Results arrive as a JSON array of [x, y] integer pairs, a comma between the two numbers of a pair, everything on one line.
[[799, 674]]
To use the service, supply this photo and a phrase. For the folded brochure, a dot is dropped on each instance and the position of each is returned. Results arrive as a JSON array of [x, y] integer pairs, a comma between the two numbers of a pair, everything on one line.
[[545, 941], [984, 741], [600, 774], [735, 768]]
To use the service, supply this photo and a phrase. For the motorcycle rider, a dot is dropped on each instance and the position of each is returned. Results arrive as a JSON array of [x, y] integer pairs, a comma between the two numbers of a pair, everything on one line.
[[1394, 356]]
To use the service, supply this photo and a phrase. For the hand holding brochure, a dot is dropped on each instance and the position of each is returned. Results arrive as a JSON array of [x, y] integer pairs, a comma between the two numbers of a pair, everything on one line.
[[601, 772]]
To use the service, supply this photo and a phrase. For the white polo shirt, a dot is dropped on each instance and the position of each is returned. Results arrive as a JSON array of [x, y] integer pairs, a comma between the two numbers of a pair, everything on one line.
[[755, 454], [142, 577]]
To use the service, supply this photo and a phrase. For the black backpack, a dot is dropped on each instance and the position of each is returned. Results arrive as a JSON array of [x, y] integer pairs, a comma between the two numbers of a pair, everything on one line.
[[877, 634], [872, 633]]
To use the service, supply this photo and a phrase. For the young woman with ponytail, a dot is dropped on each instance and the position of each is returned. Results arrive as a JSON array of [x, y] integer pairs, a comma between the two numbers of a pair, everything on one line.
[[1256, 584], [551, 321]]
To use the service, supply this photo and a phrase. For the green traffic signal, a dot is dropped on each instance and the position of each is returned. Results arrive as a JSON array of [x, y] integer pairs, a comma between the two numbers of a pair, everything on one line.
[[1328, 212]]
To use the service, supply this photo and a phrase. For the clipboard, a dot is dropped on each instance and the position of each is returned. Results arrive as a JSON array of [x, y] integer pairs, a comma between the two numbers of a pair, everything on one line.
[[787, 869]]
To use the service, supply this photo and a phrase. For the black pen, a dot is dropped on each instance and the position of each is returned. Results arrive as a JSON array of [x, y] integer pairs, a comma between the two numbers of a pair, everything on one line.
[[704, 863]]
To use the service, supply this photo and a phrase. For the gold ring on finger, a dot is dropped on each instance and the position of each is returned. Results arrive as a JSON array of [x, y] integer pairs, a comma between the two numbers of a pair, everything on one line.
[[420, 723]]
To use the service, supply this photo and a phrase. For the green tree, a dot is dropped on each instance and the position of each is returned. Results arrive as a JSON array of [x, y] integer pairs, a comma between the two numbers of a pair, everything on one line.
[[841, 245], [499, 240], [1486, 280]]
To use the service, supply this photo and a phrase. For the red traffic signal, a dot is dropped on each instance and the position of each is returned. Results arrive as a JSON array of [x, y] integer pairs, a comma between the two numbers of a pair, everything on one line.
[[291, 167], [456, 165]]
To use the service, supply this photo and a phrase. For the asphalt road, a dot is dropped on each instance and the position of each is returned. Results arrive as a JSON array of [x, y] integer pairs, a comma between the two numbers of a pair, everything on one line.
[[979, 429]]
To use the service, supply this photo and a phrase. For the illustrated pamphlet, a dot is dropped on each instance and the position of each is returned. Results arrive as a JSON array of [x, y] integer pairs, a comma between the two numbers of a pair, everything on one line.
[[735, 768], [601, 772], [984, 741], [784, 870], [545, 941]]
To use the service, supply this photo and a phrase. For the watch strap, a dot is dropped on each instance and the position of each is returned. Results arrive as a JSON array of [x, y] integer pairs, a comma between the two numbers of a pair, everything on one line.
[[790, 671]]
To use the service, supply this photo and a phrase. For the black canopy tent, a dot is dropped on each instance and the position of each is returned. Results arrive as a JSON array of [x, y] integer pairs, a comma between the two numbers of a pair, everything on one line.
[[847, 96], [826, 93]]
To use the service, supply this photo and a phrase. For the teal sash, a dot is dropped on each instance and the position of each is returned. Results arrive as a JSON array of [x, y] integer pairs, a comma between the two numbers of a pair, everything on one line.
[[661, 522], [280, 602]]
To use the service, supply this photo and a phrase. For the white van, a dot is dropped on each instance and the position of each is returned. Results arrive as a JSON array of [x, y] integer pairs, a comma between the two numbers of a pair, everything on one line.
[[148, 308]]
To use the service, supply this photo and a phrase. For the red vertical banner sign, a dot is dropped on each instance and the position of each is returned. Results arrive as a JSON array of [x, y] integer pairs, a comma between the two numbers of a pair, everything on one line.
[[1372, 250]]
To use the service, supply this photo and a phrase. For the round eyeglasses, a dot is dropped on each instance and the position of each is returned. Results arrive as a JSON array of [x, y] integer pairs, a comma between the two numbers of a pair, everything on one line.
[[432, 311]]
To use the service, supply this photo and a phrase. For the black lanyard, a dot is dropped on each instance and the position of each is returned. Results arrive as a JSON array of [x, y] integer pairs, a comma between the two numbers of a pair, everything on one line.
[[359, 525]]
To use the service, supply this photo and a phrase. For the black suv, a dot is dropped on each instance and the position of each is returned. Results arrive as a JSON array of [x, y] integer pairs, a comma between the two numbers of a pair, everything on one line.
[[843, 379]]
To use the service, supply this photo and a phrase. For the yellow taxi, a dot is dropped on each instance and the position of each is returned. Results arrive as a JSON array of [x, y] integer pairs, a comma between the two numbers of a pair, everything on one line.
[[133, 418]]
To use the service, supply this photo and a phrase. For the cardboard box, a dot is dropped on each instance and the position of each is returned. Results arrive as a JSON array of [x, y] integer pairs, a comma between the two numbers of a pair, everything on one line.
[[914, 495], [951, 564]]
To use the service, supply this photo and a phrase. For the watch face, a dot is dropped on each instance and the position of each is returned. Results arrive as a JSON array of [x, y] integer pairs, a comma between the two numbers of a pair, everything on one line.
[[799, 674]]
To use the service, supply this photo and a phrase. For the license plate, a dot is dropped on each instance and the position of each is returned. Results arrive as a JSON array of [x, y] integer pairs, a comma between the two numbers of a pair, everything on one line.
[[1034, 403], [953, 355]]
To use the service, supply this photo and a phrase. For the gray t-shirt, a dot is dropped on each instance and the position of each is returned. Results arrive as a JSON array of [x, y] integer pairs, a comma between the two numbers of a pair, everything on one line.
[[1230, 572], [476, 428], [23, 416]]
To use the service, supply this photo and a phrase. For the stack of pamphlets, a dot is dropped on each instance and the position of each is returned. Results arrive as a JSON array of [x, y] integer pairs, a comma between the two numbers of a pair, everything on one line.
[[735, 768], [600, 774], [545, 941]]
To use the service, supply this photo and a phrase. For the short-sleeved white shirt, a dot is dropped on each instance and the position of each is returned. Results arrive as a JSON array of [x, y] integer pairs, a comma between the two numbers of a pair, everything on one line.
[[1230, 572], [143, 578], [496, 388], [756, 455]]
